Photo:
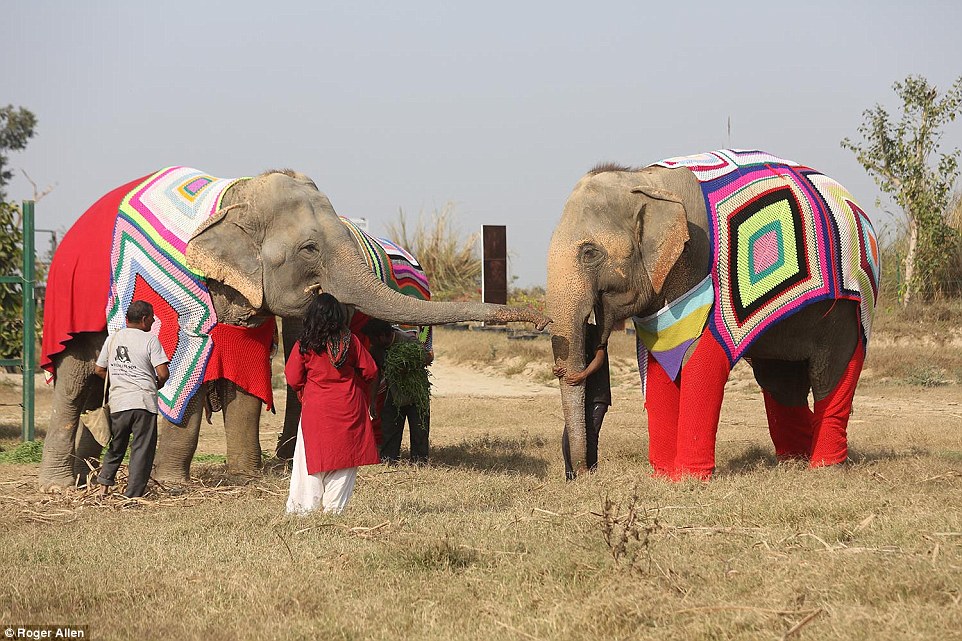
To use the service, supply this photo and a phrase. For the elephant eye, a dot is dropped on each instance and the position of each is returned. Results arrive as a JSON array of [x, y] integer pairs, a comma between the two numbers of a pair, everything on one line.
[[590, 255], [309, 250]]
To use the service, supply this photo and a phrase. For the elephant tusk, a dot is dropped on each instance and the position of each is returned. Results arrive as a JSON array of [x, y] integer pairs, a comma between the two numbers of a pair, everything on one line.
[[313, 289]]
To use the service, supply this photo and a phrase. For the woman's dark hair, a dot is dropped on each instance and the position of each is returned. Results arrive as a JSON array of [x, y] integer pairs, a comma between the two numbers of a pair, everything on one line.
[[324, 323]]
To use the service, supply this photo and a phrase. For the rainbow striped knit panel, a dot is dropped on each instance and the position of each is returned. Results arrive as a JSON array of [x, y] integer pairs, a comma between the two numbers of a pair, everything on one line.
[[148, 262], [783, 236], [397, 269]]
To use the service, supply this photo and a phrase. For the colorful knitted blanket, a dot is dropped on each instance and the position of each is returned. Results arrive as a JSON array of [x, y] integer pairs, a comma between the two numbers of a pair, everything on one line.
[[397, 269], [148, 262], [131, 245], [783, 236]]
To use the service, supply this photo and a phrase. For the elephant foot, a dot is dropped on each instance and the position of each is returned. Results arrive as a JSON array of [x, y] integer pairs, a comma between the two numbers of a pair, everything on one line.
[[167, 476], [682, 473], [824, 463], [277, 465], [244, 470], [57, 484]]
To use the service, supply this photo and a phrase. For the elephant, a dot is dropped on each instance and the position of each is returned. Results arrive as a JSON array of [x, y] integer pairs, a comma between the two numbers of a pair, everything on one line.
[[219, 260], [717, 256]]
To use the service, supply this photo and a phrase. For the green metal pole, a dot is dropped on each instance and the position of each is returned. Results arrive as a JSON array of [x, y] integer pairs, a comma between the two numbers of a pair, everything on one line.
[[29, 319]]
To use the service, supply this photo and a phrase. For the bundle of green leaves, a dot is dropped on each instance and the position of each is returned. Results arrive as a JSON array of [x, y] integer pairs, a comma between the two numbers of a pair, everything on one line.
[[407, 376]]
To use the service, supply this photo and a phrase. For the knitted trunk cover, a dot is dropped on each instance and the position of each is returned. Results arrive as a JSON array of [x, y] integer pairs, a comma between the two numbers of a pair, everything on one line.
[[148, 262], [783, 236]]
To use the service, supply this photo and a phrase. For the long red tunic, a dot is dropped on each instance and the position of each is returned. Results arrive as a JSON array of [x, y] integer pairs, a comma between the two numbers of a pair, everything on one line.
[[334, 419]]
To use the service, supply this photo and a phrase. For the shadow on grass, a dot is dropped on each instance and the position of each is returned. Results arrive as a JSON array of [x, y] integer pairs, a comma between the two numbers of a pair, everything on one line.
[[759, 458], [494, 454], [14, 430], [860, 455], [754, 458]]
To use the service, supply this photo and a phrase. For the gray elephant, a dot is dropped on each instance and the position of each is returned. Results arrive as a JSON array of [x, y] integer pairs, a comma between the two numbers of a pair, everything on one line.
[[716, 257], [218, 259]]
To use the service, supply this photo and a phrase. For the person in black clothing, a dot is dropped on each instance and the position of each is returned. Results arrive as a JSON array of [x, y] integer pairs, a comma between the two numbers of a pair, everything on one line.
[[597, 381], [396, 411]]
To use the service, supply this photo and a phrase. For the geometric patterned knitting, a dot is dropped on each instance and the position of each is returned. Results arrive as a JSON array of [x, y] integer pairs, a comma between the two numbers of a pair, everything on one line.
[[396, 268], [783, 236], [148, 262]]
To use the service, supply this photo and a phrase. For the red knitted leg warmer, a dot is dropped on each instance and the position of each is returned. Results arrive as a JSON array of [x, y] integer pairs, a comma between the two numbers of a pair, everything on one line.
[[790, 427], [829, 442], [661, 401], [702, 387]]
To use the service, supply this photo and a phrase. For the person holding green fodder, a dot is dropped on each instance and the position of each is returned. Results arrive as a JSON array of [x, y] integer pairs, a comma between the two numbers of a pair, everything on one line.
[[402, 362]]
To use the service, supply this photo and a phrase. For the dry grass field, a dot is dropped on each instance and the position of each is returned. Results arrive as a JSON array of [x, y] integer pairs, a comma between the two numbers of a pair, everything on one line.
[[489, 541]]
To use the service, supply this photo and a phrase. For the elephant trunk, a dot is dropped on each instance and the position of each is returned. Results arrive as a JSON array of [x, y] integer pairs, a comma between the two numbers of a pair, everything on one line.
[[356, 285], [572, 404], [568, 347]]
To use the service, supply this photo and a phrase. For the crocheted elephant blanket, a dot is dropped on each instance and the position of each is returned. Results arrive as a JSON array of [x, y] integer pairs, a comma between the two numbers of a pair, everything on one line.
[[148, 262], [783, 236], [131, 244]]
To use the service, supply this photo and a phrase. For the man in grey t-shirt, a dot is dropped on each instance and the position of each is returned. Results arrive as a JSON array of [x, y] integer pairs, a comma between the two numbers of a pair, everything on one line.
[[138, 366]]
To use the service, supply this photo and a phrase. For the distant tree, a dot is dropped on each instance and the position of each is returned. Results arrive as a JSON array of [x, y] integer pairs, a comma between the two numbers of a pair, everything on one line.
[[16, 129], [897, 155], [11, 298]]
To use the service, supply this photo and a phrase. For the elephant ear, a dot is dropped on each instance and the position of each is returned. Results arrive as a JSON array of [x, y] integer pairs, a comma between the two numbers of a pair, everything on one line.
[[224, 251], [662, 229]]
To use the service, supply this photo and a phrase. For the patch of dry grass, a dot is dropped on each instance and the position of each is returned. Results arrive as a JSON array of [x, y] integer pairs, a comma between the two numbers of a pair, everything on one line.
[[491, 541], [495, 351]]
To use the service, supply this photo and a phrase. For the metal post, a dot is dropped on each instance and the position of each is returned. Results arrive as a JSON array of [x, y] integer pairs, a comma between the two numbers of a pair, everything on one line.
[[29, 319]]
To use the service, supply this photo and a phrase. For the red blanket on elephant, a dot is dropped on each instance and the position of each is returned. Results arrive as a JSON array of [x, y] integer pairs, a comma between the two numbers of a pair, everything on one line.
[[78, 287], [78, 283]]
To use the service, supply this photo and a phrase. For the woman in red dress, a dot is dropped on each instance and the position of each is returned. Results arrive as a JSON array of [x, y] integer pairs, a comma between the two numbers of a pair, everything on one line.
[[332, 375]]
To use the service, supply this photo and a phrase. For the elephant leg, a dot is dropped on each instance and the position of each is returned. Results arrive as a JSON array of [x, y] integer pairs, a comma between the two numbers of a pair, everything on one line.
[[176, 444], [662, 397], [785, 386], [292, 417], [566, 453], [242, 416], [291, 329], [76, 390], [87, 453], [703, 380], [791, 428], [830, 441]]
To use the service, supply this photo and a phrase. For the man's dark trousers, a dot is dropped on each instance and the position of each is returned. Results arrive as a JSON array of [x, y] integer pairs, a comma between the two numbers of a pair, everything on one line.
[[143, 426], [392, 429]]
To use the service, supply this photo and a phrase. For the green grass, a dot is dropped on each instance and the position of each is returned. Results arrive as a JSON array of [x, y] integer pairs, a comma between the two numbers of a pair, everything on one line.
[[32, 451], [24, 453]]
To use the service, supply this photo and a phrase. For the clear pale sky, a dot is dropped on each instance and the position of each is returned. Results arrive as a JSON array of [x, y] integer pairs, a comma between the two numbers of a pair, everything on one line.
[[498, 107]]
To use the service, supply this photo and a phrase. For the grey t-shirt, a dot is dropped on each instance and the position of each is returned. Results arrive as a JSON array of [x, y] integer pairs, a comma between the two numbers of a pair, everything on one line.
[[131, 355]]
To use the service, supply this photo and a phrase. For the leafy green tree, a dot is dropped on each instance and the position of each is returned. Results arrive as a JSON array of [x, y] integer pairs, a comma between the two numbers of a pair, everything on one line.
[[16, 129], [11, 298], [897, 155]]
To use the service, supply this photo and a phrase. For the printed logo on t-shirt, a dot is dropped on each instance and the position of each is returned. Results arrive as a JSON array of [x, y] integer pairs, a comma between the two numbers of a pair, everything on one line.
[[123, 356]]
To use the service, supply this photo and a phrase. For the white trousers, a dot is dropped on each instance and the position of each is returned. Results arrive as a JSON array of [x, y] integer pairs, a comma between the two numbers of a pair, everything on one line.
[[327, 490]]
